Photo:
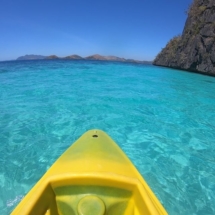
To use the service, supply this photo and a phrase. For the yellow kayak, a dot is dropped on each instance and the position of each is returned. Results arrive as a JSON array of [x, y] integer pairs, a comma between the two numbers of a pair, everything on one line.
[[92, 177]]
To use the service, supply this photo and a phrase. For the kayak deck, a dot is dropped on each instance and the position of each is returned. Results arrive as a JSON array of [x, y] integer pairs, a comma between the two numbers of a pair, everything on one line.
[[93, 177]]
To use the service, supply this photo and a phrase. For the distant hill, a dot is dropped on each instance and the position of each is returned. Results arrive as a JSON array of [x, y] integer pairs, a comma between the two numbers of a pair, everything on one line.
[[95, 57], [77, 57], [73, 57], [31, 57], [51, 57], [106, 58], [114, 58], [194, 50]]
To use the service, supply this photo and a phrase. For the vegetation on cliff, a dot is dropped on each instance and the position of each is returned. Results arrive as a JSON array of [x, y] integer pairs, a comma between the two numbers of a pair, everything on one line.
[[194, 50]]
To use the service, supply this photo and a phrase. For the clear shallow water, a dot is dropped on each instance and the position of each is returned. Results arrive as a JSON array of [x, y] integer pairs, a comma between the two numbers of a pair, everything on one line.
[[163, 119]]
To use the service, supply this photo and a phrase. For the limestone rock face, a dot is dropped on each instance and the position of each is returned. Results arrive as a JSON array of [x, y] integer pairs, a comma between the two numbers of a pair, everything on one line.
[[194, 50]]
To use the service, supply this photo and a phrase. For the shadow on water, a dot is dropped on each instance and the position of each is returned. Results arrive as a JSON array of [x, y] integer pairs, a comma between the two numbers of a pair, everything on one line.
[[4, 70], [209, 81]]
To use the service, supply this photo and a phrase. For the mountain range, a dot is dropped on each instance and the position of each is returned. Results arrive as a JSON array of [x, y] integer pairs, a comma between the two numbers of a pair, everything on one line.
[[77, 57]]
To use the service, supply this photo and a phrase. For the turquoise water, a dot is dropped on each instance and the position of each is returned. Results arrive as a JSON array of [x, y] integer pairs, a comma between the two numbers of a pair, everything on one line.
[[163, 119]]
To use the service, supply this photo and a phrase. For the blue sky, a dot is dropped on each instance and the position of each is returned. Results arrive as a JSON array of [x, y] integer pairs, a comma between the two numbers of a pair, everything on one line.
[[135, 29]]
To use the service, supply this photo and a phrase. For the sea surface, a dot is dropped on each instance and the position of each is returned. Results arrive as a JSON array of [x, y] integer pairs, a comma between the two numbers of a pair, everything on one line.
[[163, 119]]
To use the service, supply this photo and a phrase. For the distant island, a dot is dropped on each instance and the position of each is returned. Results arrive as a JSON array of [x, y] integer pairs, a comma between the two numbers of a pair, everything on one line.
[[31, 57], [77, 57], [194, 50]]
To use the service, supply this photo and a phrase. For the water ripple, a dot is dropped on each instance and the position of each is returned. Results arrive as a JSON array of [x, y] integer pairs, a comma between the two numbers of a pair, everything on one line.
[[163, 119]]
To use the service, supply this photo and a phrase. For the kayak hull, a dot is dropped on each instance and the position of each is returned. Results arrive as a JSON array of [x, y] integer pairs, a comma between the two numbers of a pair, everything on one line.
[[92, 177]]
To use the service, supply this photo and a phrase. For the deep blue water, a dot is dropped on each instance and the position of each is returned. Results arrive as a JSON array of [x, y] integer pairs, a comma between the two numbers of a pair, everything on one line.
[[163, 119]]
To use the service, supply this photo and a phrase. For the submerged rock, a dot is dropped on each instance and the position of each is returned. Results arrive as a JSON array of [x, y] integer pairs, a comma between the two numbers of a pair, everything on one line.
[[194, 50]]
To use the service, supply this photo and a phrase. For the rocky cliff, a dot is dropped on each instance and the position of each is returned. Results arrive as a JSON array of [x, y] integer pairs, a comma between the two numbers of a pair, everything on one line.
[[194, 50]]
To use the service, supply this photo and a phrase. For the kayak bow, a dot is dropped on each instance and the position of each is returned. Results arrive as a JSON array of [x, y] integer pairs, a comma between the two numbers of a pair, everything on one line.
[[92, 177]]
